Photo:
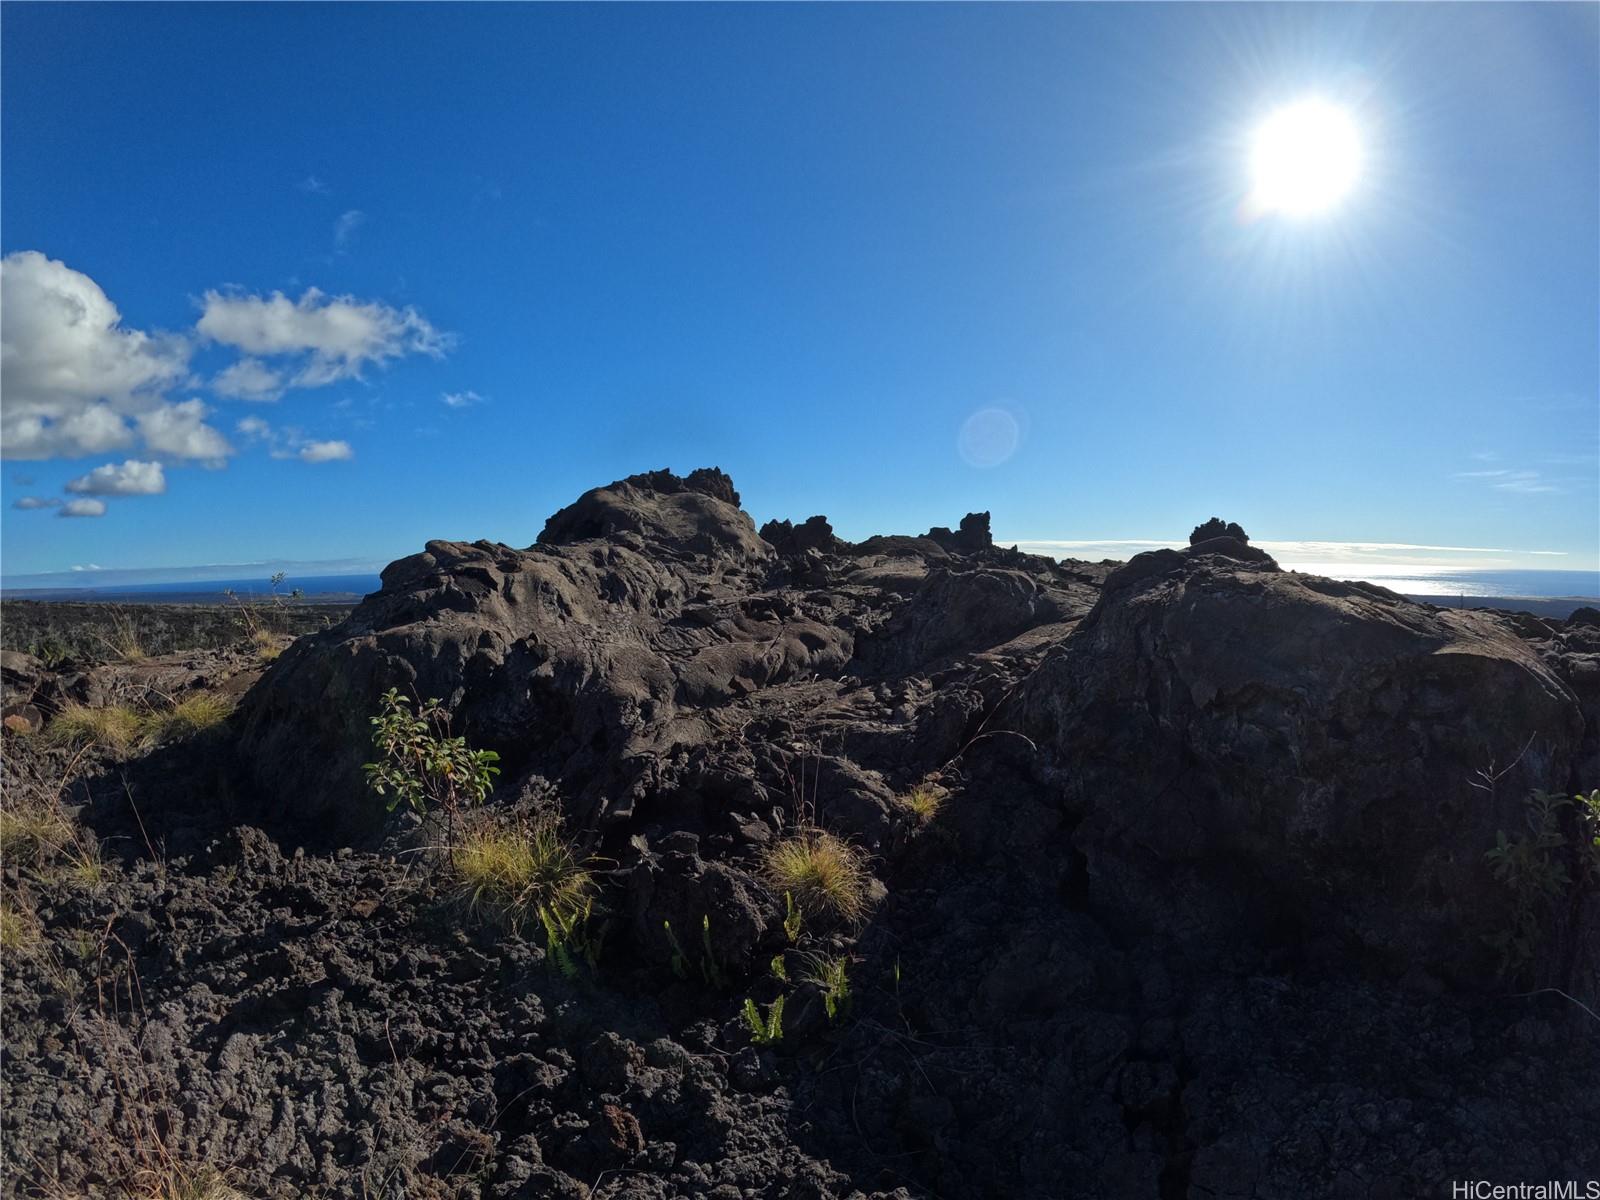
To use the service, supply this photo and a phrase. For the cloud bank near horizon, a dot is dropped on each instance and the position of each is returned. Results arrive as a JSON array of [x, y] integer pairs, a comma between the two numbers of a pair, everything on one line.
[[1309, 555]]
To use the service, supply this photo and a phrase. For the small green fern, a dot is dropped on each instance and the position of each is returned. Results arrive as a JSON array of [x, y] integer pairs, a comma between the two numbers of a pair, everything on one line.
[[768, 1030]]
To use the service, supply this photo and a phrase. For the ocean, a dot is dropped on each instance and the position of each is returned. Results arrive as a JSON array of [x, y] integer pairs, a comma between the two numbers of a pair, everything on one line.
[[1435, 582], [1452, 581], [325, 588]]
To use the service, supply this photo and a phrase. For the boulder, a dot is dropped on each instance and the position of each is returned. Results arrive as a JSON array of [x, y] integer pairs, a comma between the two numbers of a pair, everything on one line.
[[814, 533], [971, 537], [1216, 527], [1297, 750], [698, 514]]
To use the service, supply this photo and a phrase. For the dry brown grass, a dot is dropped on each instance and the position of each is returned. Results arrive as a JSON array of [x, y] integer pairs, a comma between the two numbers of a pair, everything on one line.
[[21, 934], [191, 715], [268, 645], [924, 801], [36, 834], [114, 727], [824, 873], [33, 831], [119, 728]]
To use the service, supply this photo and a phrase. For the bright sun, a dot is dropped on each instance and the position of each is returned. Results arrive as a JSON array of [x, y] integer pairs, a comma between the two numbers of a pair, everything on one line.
[[1304, 159]]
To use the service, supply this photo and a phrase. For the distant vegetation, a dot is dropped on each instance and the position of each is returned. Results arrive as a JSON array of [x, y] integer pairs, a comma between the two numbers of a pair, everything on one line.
[[96, 632]]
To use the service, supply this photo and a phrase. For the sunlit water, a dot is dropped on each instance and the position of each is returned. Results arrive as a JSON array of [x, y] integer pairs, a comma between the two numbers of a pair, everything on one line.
[[1452, 581]]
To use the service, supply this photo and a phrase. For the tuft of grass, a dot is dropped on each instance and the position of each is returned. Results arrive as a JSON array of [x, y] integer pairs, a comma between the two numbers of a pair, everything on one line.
[[119, 728], [83, 868], [192, 715], [824, 873], [170, 1181], [115, 727], [924, 801], [20, 931], [32, 832], [521, 872], [268, 645], [38, 834]]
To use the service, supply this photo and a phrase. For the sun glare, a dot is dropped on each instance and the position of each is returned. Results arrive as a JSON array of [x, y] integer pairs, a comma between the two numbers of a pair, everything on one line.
[[1304, 159]]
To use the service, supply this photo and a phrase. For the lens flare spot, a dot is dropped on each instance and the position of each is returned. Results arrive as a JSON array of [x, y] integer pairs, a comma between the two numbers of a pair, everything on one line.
[[989, 437]]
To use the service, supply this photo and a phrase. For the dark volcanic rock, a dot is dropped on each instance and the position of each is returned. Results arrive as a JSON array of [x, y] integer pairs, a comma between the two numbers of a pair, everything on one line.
[[1216, 527], [648, 623], [971, 537], [1201, 910], [1290, 749], [695, 515], [814, 533]]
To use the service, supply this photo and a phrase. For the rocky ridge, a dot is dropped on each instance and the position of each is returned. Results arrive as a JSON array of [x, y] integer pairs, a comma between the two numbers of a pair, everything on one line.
[[1204, 912]]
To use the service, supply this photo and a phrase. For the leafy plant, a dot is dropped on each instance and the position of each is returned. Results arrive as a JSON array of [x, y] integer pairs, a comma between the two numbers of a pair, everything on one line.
[[421, 766], [1530, 866], [767, 1030]]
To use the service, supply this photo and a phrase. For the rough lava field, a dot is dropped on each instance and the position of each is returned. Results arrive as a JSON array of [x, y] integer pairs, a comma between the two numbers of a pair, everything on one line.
[[1203, 908]]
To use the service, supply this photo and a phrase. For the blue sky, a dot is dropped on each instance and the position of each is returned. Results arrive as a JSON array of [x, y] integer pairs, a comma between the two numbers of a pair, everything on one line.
[[887, 263]]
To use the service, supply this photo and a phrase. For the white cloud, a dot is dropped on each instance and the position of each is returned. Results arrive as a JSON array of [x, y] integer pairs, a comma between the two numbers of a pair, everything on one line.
[[461, 399], [1352, 551], [88, 567], [345, 227], [249, 379], [290, 442], [179, 430], [132, 478], [83, 508], [335, 336], [1507, 480], [320, 452], [312, 186], [26, 502], [72, 375]]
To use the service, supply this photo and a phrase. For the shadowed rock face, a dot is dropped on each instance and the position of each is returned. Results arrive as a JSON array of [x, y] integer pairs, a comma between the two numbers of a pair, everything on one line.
[[1234, 735]]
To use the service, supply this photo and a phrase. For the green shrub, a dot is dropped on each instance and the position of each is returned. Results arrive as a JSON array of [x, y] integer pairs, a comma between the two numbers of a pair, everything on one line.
[[421, 766], [1532, 869]]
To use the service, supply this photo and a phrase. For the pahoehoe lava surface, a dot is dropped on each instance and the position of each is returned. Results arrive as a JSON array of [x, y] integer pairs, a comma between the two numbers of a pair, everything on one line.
[[1204, 912]]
